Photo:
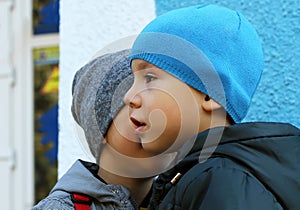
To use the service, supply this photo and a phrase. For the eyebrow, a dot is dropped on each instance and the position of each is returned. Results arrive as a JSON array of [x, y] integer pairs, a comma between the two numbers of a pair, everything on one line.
[[143, 65]]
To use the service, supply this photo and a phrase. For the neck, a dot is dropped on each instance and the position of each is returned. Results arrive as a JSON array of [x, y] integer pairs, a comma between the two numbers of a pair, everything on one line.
[[138, 187], [216, 118]]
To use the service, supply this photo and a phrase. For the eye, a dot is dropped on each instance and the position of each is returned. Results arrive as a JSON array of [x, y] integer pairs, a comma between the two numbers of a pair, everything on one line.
[[149, 77]]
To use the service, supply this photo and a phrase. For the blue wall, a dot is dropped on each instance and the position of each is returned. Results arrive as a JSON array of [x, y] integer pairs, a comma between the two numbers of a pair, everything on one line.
[[278, 24]]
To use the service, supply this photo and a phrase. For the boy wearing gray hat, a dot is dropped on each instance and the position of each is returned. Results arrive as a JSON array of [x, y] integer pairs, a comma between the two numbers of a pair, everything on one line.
[[121, 181], [195, 72]]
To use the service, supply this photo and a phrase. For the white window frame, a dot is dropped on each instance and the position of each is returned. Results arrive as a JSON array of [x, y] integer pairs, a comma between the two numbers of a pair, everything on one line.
[[17, 107]]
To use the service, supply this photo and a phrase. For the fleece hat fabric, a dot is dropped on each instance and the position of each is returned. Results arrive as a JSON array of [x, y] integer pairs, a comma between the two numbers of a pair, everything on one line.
[[211, 48], [98, 90]]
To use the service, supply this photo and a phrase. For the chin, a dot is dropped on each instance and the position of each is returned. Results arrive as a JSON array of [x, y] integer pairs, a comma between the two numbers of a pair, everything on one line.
[[154, 148]]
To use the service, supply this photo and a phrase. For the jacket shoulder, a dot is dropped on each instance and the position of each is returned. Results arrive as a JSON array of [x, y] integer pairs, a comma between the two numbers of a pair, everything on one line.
[[220, 183], [56, 200]]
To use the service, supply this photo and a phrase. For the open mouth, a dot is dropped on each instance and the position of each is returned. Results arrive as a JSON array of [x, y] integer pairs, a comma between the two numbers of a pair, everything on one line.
[[136, 123]]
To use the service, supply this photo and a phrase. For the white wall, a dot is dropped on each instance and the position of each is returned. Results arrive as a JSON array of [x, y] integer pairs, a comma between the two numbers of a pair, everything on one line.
[[87, 26]]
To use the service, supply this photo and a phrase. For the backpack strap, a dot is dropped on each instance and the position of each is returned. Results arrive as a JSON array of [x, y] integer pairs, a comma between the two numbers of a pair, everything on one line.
[[81, 201]]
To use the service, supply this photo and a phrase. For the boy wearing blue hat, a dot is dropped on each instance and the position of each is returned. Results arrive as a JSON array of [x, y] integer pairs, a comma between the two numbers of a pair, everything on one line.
[[195, 72]]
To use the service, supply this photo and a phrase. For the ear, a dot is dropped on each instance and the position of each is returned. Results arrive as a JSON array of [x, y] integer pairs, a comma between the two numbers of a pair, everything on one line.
[[209, 104]]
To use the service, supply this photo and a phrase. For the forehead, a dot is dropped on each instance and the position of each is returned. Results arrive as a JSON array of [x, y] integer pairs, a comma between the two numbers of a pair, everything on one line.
[[138, 64]]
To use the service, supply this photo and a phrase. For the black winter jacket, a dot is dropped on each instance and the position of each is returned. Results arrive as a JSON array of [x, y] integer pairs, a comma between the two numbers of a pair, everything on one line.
[[255, 166]]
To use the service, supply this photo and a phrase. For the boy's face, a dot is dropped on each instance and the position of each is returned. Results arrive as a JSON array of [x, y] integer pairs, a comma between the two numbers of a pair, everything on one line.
[[164, 111], [122, 138], [122, 152]]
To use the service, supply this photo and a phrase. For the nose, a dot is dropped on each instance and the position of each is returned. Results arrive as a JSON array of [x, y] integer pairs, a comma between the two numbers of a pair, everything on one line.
[[133, 98]]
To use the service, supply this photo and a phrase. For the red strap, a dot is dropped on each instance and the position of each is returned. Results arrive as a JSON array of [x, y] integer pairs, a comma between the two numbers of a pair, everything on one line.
[[81, 201]]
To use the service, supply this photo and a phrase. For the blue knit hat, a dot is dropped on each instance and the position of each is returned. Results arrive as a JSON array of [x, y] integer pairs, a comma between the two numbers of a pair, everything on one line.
[[211, 48]]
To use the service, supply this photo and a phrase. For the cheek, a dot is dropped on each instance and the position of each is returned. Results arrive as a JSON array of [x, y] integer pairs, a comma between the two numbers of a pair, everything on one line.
[[123, 126], [174, 118], [126, 146], [162, 100], [162, 111], [126, 132], [165, 126]]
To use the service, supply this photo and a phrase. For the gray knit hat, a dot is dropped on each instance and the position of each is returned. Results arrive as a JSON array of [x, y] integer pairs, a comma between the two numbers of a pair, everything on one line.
[[98, 90]]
